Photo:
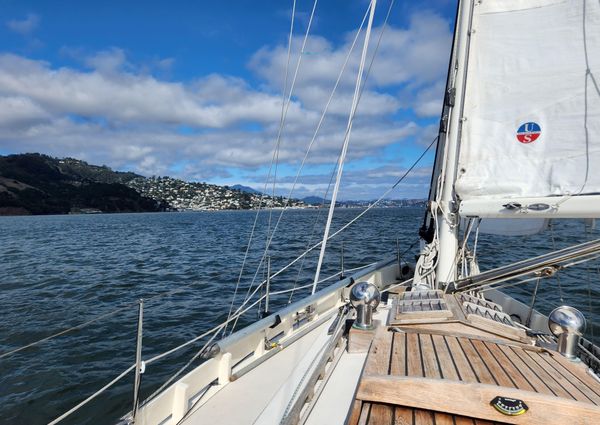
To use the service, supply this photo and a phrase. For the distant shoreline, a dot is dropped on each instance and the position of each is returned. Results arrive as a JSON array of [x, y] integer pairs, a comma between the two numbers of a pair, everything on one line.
[[3, 214]]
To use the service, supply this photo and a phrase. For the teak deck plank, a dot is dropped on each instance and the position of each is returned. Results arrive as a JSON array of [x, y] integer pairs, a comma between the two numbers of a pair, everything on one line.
[[569, 375], [463, 366], [447, 367], [398, 359], [414, 377], [379, 354], [575, 392], [509, 367], [423, 417], [546, 377], [413, 349], [364, 414], [355, 414], [430, 362], [381, 414], [483, 374], [443, 419], [493, 366], [461, 420], [403, 415], [537, 384]]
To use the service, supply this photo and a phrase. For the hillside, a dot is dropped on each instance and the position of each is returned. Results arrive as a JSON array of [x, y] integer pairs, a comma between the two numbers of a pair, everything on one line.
[[40, 184], [195, 196]]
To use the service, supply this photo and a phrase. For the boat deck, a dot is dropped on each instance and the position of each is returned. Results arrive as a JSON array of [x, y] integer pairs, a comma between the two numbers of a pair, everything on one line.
[[433, 358], [406, 366]]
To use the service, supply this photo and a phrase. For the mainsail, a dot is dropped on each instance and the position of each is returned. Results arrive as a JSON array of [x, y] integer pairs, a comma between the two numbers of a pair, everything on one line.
[[530, 137]]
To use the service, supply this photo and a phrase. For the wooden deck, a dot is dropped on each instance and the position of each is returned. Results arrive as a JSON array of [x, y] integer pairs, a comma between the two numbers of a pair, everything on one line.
[[419, 377], [377, 413]]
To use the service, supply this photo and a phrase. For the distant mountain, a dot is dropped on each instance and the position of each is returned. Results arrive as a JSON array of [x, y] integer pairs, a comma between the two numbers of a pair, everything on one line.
[[313, 200], [246, 189], [39, 184]]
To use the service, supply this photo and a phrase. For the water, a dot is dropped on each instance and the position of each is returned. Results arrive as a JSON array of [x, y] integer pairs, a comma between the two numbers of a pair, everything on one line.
[[57, 271]]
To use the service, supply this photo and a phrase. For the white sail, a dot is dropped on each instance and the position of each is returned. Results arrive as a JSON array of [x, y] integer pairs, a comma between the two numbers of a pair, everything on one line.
[[531, 118]]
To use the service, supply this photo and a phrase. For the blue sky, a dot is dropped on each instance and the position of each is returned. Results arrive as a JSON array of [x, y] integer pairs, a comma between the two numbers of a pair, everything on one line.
[[193, 89]]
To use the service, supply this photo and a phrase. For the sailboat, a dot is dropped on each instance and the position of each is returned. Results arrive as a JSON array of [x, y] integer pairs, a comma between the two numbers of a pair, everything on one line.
[[440, 341]]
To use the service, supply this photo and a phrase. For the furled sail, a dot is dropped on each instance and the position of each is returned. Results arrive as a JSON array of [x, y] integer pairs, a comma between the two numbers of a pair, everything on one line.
[[531, 117]]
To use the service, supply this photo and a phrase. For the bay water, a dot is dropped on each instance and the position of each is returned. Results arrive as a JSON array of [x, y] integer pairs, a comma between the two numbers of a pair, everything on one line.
[[59, 271]]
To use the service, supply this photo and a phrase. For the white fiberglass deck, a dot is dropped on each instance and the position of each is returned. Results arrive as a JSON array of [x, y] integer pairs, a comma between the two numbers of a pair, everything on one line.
[[262, 395]]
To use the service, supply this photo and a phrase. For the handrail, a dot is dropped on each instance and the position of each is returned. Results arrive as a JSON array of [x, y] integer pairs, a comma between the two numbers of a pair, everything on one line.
[[268, 321]]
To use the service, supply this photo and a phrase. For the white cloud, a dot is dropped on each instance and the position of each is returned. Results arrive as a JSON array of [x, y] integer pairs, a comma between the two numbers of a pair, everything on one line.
[[18, 111], [117, 113], [107, 61], [24, 26]]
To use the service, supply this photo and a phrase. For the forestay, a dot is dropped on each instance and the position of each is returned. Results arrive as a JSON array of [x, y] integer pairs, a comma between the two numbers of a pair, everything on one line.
[[531, 120]]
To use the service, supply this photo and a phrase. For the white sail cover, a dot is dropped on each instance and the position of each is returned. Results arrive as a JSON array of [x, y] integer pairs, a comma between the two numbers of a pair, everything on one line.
[[532, 103]]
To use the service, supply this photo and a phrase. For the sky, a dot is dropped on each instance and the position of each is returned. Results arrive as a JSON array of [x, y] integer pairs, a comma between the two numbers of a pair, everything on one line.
[[194, 89]]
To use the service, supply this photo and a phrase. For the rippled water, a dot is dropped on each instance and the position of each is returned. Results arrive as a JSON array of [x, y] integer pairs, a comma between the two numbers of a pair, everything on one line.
[[57, 271]]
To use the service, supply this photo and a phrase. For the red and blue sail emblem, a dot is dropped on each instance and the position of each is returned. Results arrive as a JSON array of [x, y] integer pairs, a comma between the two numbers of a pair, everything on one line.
[[528, 132]]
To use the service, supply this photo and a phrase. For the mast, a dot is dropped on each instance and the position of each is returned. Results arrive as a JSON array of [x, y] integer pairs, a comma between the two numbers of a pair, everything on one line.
[[446, 206]]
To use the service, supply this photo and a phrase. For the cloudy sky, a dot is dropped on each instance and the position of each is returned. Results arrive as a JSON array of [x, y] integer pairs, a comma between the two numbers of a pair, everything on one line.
[[194, 89]]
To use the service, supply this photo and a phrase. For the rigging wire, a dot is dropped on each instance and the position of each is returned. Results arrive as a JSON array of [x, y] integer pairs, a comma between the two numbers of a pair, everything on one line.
[[124, 307], [355, 100], [344, 227], [312, 232], [560, 291], [284, 114], [589, 286], [384, 26], [262, 195], [319, 125]]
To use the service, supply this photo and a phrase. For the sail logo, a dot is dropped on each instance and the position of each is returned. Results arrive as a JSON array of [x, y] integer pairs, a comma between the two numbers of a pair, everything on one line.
[[528, 132]]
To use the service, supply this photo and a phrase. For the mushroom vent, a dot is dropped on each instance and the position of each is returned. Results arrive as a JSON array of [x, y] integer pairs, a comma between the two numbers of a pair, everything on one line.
[[365, 298], [567, 324]]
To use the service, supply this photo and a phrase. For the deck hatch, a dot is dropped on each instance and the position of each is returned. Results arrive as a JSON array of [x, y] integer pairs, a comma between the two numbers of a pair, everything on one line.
[[415, 305], [488, 313], [480, 302]]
